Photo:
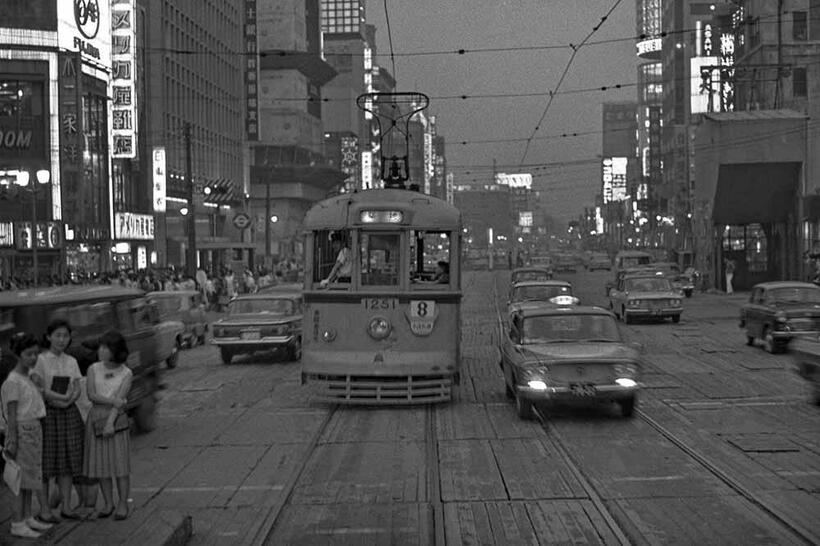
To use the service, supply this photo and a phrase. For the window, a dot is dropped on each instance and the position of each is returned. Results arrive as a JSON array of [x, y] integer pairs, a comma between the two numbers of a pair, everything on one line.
[[800, 31], [326, 252], [379, 258], [429, 258], [799, 83], [814, 18]]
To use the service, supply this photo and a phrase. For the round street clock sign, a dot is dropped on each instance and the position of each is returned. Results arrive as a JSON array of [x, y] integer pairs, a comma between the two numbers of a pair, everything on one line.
[[241, 220], [87, 17]]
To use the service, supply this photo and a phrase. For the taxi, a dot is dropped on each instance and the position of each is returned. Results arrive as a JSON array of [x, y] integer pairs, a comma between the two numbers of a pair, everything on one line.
[[779, 311], [568, 354], [645, 295], [269, 320], [553, 291], [183, 307]]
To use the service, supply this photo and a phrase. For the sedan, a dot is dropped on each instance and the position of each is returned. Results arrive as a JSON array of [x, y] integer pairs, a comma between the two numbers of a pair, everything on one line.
[[568, 354], [779, 311], [559, 292], [645, 296], [259, 322], [531, 274]]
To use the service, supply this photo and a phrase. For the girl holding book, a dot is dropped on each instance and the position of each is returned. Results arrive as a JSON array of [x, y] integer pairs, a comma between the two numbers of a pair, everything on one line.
[[63, 429]]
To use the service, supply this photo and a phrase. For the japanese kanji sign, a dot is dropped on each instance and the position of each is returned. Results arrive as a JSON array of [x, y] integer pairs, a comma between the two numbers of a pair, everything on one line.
[[123, 76]]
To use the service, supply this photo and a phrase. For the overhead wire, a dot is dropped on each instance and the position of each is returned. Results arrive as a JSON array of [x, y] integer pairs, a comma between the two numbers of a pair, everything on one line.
[[390, 39]]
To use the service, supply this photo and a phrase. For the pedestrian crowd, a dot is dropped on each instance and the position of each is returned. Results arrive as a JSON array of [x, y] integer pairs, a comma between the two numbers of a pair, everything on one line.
[[65, 430]]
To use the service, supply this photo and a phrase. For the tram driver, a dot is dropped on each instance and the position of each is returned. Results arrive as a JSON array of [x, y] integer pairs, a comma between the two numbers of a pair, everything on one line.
[[344, 261], [442, 275]]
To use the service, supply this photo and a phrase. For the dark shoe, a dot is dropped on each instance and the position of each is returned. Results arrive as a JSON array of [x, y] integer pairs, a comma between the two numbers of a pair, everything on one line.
[[73, 516], [48, 519], [119, 516]]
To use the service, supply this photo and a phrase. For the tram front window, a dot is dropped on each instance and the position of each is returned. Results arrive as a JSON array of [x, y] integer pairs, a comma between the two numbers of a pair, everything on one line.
[[332, 259], [429, 258], [379, 258]]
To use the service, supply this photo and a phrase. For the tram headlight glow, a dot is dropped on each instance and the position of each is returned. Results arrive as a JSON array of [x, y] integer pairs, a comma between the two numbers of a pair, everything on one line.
[[379, 328], [381, 216], [328, 335]]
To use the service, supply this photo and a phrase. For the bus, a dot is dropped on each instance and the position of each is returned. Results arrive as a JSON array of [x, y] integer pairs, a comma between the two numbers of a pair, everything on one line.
[[383, 326]]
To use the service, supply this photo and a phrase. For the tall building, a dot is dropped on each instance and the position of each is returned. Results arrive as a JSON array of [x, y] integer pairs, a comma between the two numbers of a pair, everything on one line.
[[188, 78], [285, 77], [619, 172], [755, 139]]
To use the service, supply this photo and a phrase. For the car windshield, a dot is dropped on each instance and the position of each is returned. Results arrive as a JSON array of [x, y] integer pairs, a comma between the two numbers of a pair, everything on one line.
[[657, 284], [795, 295], [531, 276], [569, 328], [635, 261], [268, 306], [540, 293]]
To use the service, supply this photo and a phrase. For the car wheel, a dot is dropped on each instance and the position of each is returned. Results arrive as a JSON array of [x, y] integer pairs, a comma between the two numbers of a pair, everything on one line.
[[145, 415], [769, 344], [295, 351], [625, 316], [523, 408], [676, 318], [171, 361], [627, 406], [750, 340], [226, 355]]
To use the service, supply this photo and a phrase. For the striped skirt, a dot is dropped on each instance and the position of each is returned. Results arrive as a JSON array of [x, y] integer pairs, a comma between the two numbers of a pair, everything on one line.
[[30, 454], [63, 433], [105, 456]]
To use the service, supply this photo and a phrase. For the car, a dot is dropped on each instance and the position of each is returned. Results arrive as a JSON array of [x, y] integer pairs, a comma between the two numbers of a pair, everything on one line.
[[91, 310], [541, 260], [560, 354], [542, 291], [778, 311], [806, 354], [682, 282], [566, 262], [598, 260], [645, 295], [185, 307], [530, 274], [626, 259], [258, 322]]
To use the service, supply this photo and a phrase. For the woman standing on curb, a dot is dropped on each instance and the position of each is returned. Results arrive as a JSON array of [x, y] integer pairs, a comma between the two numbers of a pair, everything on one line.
[[22, 410], [107, 433], [63, 429]]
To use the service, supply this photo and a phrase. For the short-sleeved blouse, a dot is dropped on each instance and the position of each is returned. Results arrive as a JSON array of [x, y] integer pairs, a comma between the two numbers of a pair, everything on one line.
[[107, 381], [19, 388], [50, 365]]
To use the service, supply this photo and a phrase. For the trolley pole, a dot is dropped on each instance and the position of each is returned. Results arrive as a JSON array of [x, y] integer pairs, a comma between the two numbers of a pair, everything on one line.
[[191, 254]]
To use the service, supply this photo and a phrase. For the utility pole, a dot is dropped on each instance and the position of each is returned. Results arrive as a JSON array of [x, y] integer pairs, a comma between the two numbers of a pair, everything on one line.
[[189, 178], [268, 262]]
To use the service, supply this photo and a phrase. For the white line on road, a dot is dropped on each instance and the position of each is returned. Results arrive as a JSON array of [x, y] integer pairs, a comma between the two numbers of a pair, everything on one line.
[[205, 489], [648, 478]]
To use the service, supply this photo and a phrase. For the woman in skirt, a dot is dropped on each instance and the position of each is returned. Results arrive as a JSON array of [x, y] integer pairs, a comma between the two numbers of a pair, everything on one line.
[[22, 409], [63, 429], [107, 440]]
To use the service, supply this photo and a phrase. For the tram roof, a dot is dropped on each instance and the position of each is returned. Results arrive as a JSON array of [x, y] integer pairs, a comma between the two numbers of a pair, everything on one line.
[[342, 211]]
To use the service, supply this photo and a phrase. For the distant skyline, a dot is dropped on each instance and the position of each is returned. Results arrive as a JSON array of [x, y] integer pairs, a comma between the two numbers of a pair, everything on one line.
[[450, 25]]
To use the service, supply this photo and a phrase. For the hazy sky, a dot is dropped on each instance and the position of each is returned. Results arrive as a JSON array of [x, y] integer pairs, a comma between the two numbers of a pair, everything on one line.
[[450, 25]]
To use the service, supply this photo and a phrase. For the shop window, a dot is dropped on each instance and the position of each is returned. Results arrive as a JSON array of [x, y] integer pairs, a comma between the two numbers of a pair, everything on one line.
[[799, 83], [379, 259], [756, 249], [734, 238]]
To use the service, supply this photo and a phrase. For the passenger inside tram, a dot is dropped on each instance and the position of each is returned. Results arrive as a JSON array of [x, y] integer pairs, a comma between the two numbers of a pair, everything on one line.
[[340, 273], [442, 275]]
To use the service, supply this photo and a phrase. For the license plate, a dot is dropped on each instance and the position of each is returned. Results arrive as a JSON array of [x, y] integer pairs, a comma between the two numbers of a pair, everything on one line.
[[379, 304], [422, 309], [250, 335], [579, 389]]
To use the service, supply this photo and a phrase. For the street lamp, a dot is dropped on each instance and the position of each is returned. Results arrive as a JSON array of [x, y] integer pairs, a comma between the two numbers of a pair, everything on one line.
[[23, 177]]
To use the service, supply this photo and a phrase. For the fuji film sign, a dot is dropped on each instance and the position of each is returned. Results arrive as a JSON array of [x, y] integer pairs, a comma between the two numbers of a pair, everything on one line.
[[84, 25]]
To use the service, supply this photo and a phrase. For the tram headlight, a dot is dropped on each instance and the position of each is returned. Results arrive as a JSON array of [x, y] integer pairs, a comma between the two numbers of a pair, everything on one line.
[[379, 328], [328, 335]]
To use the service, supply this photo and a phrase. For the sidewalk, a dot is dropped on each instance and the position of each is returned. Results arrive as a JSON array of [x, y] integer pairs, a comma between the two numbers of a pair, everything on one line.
[[143, 527]]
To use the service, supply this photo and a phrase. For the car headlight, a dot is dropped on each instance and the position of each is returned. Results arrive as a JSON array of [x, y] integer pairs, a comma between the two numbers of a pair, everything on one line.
[[537, 385], [634, 303], [379, 328], [626, 382], [675, 302]]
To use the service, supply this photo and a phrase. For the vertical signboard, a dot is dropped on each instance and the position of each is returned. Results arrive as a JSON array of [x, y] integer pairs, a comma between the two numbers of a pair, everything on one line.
[[619, 190], [160, 183], [70, 134], [349, 160], [428, 160], [123, 79], [367, 170], [251, 73], [654, 151]]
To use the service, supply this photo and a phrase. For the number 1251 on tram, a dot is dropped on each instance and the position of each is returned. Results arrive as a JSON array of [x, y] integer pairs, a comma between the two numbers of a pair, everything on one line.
[[382, 295]]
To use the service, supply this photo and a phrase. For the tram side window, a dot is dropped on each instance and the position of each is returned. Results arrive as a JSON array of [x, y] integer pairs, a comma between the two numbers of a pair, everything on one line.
[[327, 248], [429, 258], [380, 259]]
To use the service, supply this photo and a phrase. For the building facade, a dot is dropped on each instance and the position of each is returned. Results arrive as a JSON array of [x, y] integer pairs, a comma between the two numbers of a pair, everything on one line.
[[623, 222]]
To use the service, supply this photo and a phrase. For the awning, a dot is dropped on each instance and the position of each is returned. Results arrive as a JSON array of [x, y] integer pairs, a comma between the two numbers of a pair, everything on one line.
[[756, 192]]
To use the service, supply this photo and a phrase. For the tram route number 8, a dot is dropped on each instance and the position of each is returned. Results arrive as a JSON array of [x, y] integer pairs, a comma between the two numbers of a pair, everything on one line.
[[422, 309]]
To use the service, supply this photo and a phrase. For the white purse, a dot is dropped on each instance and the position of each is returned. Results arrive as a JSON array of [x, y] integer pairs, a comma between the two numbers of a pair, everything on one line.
[[12, 474]]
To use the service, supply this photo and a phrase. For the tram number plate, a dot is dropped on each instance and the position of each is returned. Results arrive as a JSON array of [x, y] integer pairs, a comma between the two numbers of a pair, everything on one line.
[[378, 304], [581, 389], [422, 309]]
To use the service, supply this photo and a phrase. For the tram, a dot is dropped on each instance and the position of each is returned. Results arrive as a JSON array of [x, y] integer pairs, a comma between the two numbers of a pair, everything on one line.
[[382, 297]]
